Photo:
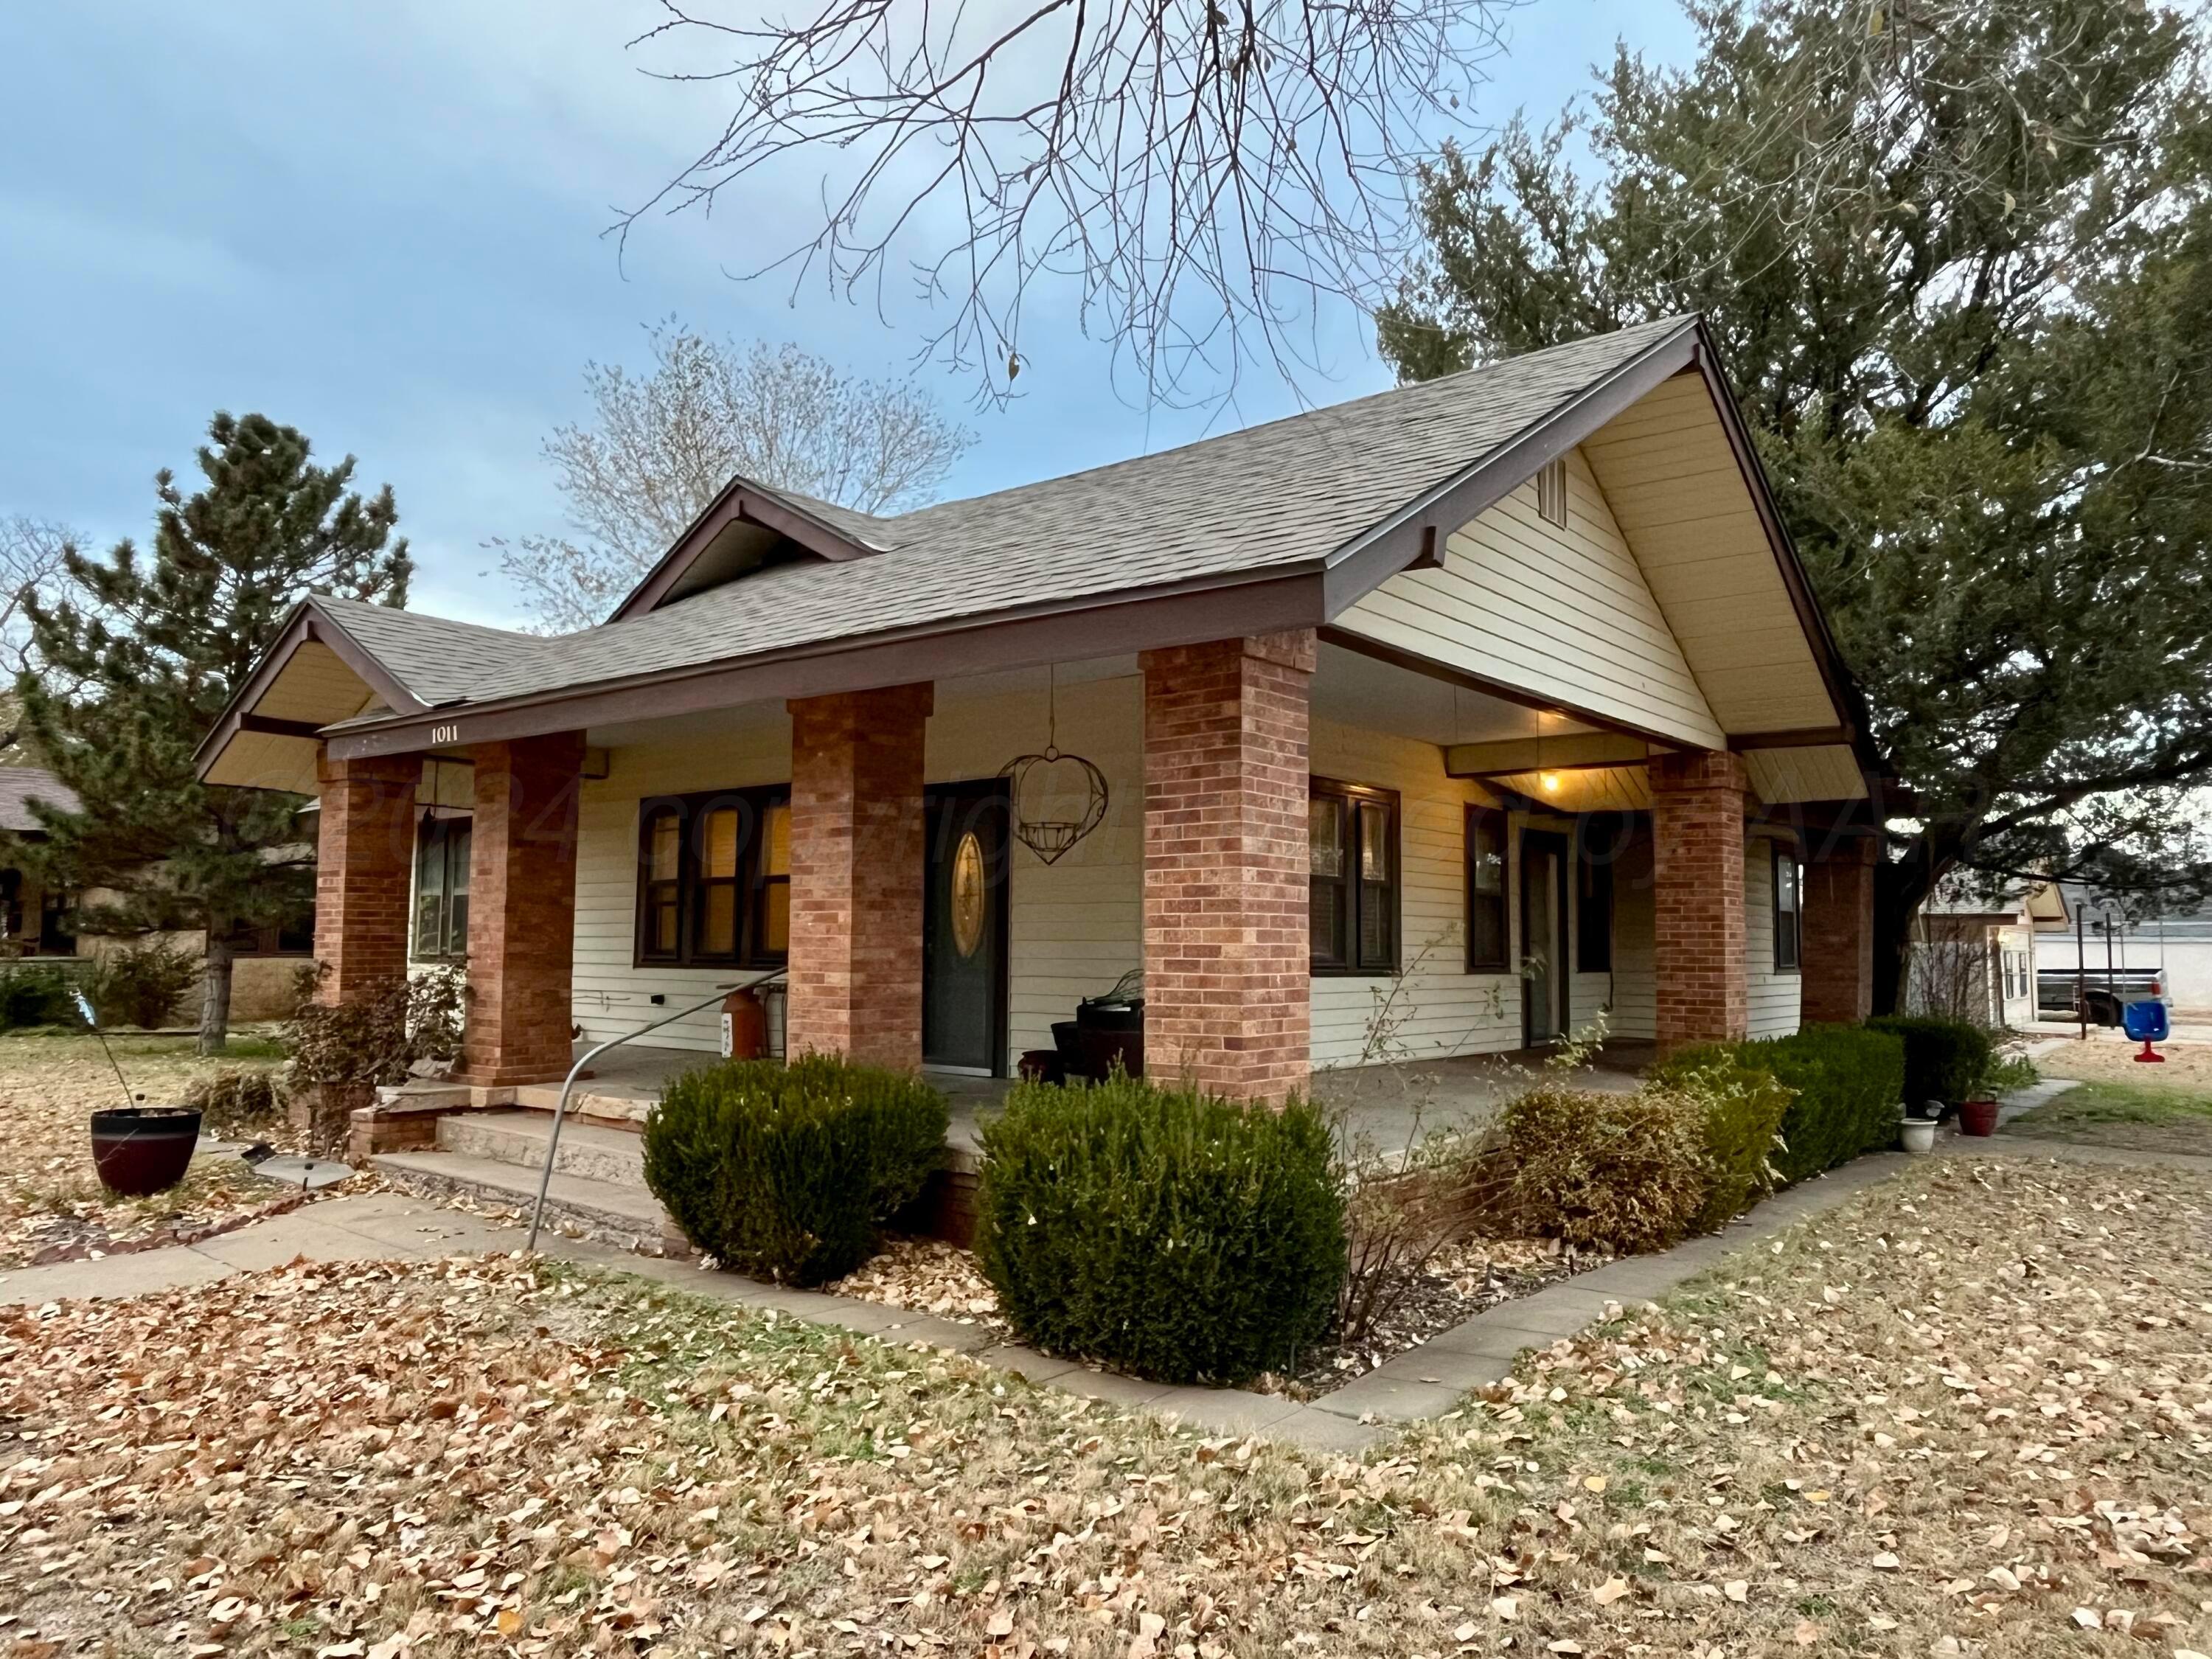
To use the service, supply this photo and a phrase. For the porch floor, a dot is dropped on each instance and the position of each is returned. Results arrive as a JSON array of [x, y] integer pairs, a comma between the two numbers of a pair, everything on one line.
[[1386, 1106]]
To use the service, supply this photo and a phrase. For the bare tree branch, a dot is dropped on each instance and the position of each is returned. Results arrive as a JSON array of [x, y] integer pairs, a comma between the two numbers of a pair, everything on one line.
[[1204, 173], [661, 447], [31, 554]]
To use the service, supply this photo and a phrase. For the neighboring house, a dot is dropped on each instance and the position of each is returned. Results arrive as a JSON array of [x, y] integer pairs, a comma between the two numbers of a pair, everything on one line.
[[36, 921], [1503, 693], [1974, 954]]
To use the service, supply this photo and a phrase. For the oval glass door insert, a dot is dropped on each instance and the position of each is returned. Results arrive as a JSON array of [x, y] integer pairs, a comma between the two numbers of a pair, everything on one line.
[[968, 897]]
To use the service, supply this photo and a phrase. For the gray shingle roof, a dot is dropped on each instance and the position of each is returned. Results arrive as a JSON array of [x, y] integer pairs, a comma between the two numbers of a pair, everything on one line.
[[1291, 492], [19, 784]]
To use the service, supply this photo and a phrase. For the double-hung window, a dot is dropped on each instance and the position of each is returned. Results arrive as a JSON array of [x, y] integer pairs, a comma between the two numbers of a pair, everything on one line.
[[441, 890], [1488, 939], [1352, 834], [1788, 905], [715, 877]]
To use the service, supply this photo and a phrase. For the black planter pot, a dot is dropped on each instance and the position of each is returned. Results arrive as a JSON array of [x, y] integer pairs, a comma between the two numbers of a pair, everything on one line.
[[140, 1150]]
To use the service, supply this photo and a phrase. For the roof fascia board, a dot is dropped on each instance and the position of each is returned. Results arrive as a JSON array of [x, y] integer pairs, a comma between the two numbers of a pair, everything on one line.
[[1365, 563], [308, 621], [1138, 622], [739, 500]]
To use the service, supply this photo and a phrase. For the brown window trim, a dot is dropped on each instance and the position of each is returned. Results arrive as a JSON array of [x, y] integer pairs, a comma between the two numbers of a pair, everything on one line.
[[1354, 795], [1792, 959], [753, 801], [441, 824], [1477, 816]]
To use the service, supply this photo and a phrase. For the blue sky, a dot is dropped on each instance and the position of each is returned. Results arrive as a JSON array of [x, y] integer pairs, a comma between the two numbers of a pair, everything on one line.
[[381, 224]]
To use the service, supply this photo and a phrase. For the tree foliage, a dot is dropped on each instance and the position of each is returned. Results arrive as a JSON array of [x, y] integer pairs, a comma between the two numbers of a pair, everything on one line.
[[661, 446], [1956, 257], [136, 669]]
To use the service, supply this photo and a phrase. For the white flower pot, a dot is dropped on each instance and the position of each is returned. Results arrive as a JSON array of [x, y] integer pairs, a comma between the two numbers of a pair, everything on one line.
[[1919, 1135]]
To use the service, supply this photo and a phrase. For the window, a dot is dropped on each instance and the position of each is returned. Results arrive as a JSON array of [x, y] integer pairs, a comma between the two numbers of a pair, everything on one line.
[[715, 877], [57, 934], [1552, 492], [1594, 851], [1487, 940], [291, 936], [441, 890], [1789, 888], [1352, 835]]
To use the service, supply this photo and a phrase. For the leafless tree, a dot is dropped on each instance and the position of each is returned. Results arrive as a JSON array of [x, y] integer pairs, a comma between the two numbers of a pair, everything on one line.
[[661, 445], [30, 562], [1207, 172]]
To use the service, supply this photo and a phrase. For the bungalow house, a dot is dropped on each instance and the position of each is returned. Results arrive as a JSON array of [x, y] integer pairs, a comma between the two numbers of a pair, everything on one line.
[[1502, 696]]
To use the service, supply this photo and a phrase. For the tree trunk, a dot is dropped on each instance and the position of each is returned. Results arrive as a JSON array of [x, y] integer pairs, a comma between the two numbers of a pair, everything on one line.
[[214, 991], [1899, 888]]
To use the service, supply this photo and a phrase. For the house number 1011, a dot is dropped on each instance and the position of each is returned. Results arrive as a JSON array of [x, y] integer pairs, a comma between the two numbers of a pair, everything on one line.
[[445, 734]]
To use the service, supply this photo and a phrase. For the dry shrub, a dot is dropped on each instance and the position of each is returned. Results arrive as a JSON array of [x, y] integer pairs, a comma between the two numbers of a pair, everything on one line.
[[1397, 1217], [1621, 1172], [237, 1098]]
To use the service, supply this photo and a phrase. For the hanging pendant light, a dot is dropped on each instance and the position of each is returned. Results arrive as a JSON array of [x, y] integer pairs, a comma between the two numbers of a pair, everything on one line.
[[1037, 784]]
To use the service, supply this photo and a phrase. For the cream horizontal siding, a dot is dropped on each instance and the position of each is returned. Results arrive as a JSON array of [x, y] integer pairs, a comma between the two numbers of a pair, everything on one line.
[[1561, 613], [1435, 1008], [1771, 997]]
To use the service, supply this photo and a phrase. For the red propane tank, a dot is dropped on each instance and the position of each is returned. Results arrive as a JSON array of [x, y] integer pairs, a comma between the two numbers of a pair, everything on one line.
[[744, 1026]]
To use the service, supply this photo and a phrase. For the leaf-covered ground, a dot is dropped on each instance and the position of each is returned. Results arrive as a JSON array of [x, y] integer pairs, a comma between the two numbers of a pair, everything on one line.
[[2148, 1117], [1970, 1413], [50, 1193]]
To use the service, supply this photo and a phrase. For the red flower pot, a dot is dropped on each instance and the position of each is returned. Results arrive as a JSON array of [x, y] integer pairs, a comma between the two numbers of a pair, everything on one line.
[[1978, 1117]]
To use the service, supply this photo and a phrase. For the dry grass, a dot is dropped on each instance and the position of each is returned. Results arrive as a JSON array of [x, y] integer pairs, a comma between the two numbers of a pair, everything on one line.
[[2107, 1058], [1970, 1413], [49, 1190]]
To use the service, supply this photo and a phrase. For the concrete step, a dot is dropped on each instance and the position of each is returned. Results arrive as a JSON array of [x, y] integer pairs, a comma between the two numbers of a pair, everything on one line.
[[585, 1102], [613, 1213], [592, 1151]]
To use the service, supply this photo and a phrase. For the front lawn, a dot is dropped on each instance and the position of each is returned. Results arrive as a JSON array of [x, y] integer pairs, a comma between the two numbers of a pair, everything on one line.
[[1966, 1413], [2155, 1117], [50, 1195]]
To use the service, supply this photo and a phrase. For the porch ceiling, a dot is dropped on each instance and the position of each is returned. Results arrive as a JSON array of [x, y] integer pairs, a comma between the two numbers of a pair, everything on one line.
[[1353, 688]]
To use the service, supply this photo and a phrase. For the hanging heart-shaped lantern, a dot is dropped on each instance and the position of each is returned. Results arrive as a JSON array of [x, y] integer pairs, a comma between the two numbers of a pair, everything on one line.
[[1057, 800]]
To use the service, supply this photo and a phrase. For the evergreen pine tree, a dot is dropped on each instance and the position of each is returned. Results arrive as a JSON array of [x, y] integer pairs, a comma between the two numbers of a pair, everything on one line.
[[153, 649]]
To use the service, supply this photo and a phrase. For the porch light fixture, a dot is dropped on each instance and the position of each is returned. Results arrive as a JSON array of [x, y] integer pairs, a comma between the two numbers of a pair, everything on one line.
[[1037, 783], [1551, 781]]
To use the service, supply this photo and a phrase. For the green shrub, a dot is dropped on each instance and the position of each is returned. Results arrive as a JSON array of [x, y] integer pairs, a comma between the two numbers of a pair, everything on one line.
[[1944, 1059], [1621, 1172], [1744, 1108], [35, 994], [1850, 1091], [140, 983], [1170, 1233], [789, 1172], [237, 1098]]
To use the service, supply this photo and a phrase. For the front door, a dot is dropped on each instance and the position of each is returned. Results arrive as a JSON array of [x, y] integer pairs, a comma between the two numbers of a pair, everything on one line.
[[963, 971], [1543, 937]]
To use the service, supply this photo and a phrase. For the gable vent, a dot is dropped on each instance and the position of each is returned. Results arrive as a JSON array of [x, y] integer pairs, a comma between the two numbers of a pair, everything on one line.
[[1552, 492]]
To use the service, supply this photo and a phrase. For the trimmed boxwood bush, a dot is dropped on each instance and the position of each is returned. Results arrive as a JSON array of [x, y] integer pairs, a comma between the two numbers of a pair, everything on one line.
[[1851, 1088], [1172, 1234], [789, 1172], [1944, 1059], [1745, 1107]]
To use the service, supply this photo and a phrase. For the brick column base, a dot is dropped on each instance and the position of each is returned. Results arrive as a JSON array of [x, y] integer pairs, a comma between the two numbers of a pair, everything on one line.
[[1696, 834], [364, 858], [1837, 979], [857, 853], [1228, 993], [522, 910]]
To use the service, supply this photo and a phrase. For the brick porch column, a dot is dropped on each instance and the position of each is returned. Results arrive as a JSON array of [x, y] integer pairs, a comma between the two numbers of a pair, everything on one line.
[[857, 857], [1835, 982], [522, 910], [1697, 834], [364, 858], [1227, 934]]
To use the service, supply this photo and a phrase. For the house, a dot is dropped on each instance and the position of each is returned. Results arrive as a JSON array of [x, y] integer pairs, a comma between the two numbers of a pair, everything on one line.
[[1503, 693], [1973, 953], [40, 922], [2118, 947]]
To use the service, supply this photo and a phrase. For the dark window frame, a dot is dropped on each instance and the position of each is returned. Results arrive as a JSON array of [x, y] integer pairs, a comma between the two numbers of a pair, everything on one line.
[[1353, 898], [276, 938], [1789, 924], [750, 882], [451, 944], [1497, 821], [56, 937]]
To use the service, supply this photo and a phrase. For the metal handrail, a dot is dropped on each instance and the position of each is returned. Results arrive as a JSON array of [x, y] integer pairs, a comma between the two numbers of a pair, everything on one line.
[[561, 1109]]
